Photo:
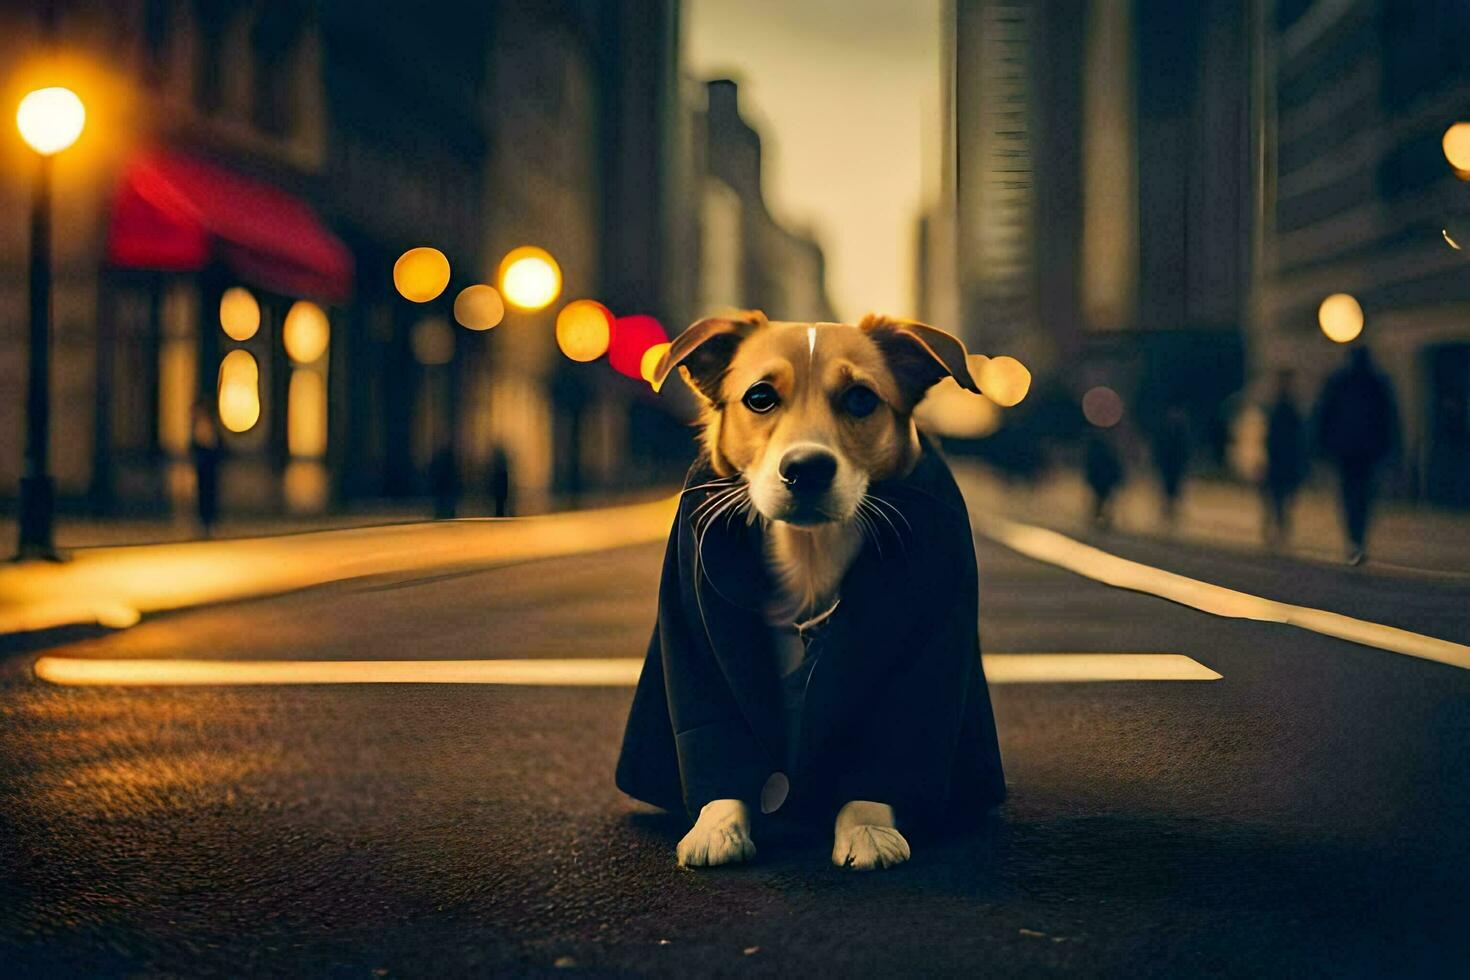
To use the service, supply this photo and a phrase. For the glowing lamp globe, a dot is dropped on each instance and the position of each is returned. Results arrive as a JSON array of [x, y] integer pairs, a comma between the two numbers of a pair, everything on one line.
[[239, 391], [1340, 317], [305, 332], [950, 410], [420, 274], [1456, 145], [50, 119], [631, 338], [584, 329], [650, 362], [1004, 380], [479, 307], [239, 313], [530, 279]]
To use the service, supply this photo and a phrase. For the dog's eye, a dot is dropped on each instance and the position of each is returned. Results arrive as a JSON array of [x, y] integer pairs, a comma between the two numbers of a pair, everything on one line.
[[859, 402], [761, 397]]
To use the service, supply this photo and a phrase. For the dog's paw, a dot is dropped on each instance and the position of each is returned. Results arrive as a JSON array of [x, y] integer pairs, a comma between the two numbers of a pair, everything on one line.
[[866, 847], [865, 837], [721, 835]]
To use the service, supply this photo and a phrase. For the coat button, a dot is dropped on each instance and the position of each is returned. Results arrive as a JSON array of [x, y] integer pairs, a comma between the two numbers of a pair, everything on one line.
[[773, 794]]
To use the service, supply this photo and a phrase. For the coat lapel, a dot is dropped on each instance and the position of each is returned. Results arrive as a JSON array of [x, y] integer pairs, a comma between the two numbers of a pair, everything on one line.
[[887, 604], [727, 587]]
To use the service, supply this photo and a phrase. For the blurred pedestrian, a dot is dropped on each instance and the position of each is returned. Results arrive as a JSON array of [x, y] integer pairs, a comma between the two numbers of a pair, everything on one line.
[[1104, 470], [1357, 428], [444, 483], [1286, 459], [1171, 450], [205, 448], [500, 480]]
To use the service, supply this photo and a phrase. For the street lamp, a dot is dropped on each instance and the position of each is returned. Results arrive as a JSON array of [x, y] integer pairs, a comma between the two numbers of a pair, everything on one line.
[[530, 279], [1456, 146], [1341, 318], [49, 120]]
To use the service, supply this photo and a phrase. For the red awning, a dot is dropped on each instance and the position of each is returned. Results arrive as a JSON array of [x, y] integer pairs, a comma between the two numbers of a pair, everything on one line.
[[176, 212]]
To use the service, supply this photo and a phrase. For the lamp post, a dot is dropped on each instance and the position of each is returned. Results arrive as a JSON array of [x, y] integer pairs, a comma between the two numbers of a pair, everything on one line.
[[49, 120]]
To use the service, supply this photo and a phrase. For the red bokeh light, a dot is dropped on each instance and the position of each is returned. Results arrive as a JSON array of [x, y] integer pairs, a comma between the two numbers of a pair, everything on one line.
[[631, 336]]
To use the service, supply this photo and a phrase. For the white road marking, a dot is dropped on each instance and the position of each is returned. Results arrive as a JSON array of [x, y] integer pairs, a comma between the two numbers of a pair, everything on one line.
[[1094, 563], [1000, 668]]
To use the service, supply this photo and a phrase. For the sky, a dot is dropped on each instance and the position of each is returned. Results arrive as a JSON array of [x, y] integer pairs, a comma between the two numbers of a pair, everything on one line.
[[845, 94]]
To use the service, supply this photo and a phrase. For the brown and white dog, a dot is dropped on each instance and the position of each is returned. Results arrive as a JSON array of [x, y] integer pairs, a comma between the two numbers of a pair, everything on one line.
[[809, 415]]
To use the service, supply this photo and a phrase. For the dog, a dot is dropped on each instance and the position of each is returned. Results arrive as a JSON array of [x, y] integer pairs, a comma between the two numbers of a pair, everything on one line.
[[778, 668]]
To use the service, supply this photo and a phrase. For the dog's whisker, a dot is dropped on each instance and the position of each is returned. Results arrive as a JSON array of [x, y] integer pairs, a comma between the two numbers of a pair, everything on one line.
[[876, 512], [724, 510], [874, 531], [876, 501], [866, 528], [713, 496], [723, 482], [728, 501], [873, 508], [714, 500]]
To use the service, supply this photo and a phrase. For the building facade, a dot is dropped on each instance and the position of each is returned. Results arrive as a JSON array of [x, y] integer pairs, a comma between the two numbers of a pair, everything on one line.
[[1095, 195], [307, 146], [747, 258], [1358, 198]]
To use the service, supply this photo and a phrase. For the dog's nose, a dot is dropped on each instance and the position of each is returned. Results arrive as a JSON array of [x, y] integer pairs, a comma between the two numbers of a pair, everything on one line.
[[808, 470]]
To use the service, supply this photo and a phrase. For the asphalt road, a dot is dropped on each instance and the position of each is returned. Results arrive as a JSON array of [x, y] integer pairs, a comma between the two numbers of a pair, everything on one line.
[[1305, 814]]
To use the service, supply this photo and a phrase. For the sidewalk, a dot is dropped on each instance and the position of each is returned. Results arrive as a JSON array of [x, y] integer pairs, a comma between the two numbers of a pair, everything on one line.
[[115, 586], [81, 531], [1403, 539]]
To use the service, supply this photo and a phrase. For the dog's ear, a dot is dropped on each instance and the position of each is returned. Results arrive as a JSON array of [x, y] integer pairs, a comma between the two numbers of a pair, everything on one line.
[[919, 355], [702, 353]]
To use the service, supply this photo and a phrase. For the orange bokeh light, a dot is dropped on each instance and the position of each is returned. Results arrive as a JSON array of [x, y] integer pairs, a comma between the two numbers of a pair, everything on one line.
[[584, 329], [420, 274], [479, 307]]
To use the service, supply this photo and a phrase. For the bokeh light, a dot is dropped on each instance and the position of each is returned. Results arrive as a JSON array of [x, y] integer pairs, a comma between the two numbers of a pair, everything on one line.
[[530, 279], [239, 391], [307, 489], [239, 313], [631, 338], [432, 341], [306, 332], [651, 358], [50, 119], [1004, 380], [1102, 407], [953, 411], [420, 274], [1456, 145], [584, 330], [1340, 317], [479, 307], [306, 414]]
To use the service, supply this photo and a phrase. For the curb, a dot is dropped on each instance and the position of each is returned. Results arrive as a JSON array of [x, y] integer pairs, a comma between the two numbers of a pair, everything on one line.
[[114, 587]]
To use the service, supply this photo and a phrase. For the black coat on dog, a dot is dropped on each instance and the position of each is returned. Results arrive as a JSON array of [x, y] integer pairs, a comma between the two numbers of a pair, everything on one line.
[[896, 709]]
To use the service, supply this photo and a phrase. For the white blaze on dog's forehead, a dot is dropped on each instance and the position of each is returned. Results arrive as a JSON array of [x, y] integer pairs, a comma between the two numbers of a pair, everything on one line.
[[811, 343]]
